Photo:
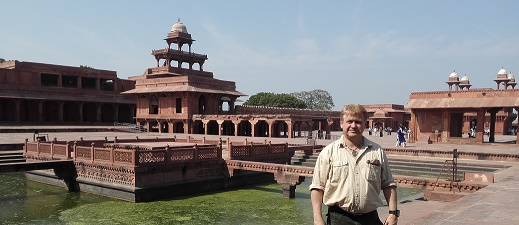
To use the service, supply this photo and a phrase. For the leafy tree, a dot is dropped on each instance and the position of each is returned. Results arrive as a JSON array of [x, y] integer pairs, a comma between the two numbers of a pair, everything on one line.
[[275, 100], [2, 60], [316, 99]]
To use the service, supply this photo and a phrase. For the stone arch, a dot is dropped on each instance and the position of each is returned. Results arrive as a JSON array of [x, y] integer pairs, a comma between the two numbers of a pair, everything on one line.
[[164, 127], [90, 112], [261, 129], [198, 127], [212, 128], [51, 111], [178, 127], [244, 128], [280, 129], [153, 126], [71, 112], [228, 128]]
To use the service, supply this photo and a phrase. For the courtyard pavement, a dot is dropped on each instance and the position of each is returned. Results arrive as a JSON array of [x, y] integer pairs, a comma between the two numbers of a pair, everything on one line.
[[494, 204]]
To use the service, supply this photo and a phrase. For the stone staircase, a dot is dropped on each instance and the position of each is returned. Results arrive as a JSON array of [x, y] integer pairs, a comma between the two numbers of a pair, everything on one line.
[[412, 167], [12, 156]]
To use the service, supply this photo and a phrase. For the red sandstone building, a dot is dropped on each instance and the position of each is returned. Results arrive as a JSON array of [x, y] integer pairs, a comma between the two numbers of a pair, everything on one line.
[[449, 116], [178, 96], [37, 92]]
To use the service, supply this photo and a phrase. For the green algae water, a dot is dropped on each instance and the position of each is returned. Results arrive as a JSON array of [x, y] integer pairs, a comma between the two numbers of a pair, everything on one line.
[[27, 202]]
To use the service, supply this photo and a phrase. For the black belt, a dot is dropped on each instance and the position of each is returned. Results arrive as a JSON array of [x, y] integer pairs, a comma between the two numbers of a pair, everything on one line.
[[337, 209]]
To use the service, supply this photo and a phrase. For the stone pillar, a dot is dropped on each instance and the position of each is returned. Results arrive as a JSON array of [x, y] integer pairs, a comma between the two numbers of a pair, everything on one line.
[[288, 183], [253, 127], [480, 125], [236, 124], [220, 122], [414, 128], [445, 133], [491, 137], [170, 126], [290, 129], [270, 128], [205, 122], [187, 125]]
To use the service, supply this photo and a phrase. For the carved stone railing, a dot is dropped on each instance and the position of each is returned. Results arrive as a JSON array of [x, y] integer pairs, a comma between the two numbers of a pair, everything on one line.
[[119, 154]]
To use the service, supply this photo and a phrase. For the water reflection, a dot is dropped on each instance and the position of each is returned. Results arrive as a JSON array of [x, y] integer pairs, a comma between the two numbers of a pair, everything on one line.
[[26, 202]]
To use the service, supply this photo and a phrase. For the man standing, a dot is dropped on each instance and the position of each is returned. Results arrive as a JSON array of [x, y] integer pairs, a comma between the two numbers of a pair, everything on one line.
[[349, 175]]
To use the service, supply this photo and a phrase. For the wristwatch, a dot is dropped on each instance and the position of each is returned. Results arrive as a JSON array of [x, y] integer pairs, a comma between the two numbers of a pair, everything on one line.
[[395, 212]]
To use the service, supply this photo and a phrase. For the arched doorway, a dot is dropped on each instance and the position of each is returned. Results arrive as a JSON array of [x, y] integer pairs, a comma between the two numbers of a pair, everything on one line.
[[261, 129], [212, 128], [228, 128], [244, 128], [198, 127], [178, 127]]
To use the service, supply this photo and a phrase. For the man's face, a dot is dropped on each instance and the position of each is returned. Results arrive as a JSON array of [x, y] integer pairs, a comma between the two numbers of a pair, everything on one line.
[[352, 125]]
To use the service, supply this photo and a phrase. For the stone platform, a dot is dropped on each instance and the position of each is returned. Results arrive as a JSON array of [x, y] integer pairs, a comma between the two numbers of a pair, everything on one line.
[[494, 204]]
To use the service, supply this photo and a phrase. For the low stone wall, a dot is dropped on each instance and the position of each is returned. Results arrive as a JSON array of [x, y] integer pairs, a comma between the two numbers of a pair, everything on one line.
[[448, 154]]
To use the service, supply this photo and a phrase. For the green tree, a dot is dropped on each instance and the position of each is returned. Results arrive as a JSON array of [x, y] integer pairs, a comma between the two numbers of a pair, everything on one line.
[[316, 99], [274, 100], [2, 60]]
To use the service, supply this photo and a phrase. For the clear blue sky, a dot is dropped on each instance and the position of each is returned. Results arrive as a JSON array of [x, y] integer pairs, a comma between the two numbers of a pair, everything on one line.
[[367, 52]]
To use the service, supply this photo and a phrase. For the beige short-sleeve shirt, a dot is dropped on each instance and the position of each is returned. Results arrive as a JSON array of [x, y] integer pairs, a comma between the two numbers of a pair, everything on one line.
[[352, 184]]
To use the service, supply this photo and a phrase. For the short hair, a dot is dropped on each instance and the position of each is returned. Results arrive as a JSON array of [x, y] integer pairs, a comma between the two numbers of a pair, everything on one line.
[[354, 109]]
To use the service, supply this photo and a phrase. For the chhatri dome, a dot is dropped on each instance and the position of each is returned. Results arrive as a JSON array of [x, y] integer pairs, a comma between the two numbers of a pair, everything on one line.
[[511, 76], [453, 74], [501, 71], [179, 27], [465, 78]]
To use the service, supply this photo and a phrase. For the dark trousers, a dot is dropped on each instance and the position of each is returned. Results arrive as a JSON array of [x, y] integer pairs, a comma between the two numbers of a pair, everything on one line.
[[337, 216]]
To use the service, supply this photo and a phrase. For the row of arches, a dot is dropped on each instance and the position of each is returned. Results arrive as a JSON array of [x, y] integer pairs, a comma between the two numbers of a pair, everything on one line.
[[31, 110], [286, 128]]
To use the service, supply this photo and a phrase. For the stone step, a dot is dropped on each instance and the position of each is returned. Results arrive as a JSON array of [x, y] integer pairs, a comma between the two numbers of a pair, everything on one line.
[[11, 156]]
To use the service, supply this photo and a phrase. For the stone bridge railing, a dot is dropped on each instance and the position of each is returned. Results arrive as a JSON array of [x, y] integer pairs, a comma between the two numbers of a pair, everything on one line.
[[290, 176]]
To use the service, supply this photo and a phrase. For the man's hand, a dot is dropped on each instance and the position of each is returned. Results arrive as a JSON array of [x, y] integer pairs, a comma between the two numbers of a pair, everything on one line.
[[391, 220]]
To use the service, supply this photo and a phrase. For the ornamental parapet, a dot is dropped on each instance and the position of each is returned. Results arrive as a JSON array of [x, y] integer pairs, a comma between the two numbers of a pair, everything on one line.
[[292, 111]]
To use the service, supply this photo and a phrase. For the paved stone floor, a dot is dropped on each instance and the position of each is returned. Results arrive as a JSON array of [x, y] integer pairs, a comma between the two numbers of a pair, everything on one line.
[[494, 204]]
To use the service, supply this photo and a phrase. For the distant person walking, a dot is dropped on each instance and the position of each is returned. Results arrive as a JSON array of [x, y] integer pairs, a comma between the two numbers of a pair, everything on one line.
[[400, 137]]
